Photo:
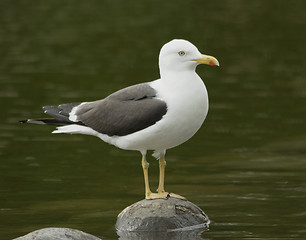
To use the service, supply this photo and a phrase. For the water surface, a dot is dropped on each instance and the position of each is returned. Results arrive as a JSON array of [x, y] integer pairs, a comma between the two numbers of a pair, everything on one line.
[[246, 166]]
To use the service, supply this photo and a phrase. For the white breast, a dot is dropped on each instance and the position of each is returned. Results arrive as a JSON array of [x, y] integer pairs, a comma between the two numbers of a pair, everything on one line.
[[187, 103]]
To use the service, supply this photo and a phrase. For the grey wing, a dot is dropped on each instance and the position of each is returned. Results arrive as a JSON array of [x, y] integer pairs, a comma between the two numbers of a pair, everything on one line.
[[124, 112]]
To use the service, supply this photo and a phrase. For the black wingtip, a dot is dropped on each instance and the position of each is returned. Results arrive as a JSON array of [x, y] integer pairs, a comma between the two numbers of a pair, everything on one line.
[[35, 121], [23, 121]]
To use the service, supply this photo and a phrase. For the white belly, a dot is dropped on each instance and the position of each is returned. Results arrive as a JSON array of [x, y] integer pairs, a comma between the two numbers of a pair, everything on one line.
[[187, 108]]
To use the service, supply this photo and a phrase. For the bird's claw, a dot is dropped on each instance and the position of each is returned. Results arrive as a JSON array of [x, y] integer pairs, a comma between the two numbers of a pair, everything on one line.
[[163, 195]]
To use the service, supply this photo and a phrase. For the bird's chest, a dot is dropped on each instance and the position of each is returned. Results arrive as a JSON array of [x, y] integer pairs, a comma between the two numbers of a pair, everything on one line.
[[190, 107], [187, 104], [186, 97]]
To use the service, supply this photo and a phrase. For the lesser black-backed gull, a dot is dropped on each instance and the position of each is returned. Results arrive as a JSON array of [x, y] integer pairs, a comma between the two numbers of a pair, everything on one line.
[[156, 115]]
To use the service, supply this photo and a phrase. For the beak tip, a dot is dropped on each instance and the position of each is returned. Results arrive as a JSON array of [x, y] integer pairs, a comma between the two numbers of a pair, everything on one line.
[[214, 63]]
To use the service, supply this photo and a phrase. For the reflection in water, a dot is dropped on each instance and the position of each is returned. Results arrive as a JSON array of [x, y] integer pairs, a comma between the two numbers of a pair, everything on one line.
[[173, 235]]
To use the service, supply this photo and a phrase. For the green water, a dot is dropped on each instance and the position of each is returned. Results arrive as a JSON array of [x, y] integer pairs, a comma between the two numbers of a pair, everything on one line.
[[245, 167]]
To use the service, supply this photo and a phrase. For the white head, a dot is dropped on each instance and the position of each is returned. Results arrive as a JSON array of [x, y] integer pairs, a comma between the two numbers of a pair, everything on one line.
[[181, 55]]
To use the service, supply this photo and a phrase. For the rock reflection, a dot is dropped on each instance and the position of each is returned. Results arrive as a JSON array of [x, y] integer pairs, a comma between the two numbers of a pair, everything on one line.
[[171, 235]]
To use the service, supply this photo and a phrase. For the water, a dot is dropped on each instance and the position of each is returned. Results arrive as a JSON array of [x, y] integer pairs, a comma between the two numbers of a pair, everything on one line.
[[246, 166]]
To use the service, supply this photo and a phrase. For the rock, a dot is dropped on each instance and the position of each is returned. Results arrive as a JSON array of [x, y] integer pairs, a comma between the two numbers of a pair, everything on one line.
[[161, 215], [58, 234], [174, 235]]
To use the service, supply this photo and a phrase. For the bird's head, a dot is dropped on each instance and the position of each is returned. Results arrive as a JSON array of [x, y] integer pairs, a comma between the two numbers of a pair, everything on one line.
[[181, 55]]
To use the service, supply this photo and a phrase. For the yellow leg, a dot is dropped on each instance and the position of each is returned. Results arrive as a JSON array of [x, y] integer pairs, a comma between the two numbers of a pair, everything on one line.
[[161, 185], [148, 193], [145, 167], [162, 166], [160, 190]]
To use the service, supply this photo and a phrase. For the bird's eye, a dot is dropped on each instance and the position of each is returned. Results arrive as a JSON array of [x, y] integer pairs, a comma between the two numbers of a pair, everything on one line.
[[181, 53]]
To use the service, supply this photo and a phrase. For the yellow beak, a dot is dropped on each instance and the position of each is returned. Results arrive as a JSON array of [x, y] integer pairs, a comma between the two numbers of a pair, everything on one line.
[[205, 59]]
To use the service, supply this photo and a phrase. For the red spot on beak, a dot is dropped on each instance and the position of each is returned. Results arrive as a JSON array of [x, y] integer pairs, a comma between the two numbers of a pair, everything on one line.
[[211, 63]]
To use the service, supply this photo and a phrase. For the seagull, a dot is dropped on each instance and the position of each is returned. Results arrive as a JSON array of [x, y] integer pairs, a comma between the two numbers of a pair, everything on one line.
[[156, 115]]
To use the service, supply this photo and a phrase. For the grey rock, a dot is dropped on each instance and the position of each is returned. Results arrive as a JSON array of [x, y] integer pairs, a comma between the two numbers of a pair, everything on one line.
[[161, 215], [174, 235], [58, 234]]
